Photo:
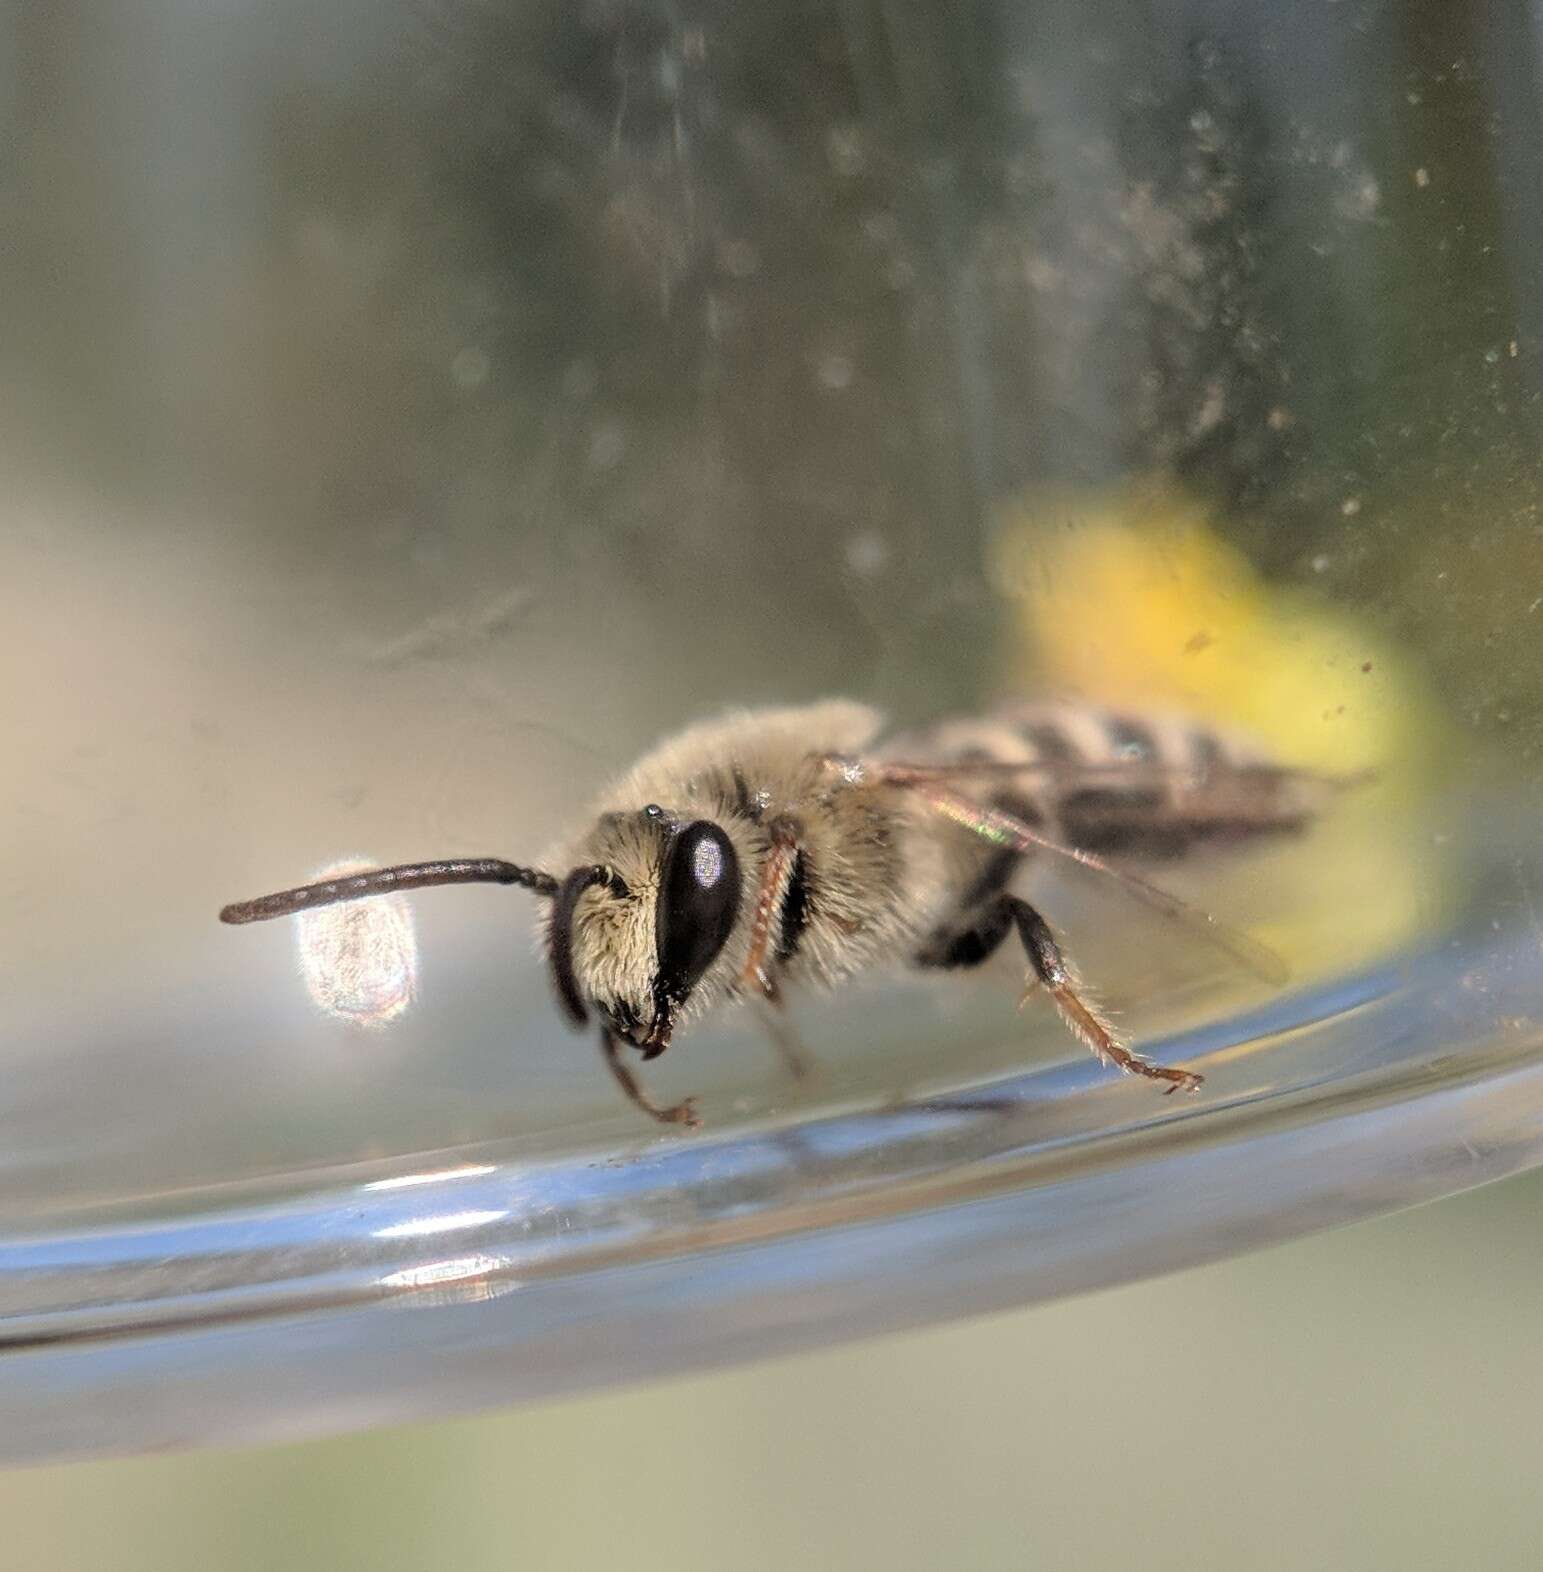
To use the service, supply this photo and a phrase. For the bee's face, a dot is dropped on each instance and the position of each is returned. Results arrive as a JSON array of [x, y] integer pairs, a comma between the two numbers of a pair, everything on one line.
[[640, 929]]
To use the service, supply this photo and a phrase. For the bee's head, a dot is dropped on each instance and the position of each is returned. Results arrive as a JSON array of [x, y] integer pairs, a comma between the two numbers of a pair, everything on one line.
[[636, 930]]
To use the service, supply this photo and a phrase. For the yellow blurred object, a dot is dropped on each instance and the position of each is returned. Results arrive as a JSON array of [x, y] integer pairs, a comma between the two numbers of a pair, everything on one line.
[[1128, 595]]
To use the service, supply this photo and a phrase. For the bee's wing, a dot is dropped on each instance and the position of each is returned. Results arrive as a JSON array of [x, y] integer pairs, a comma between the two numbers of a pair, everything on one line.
[[1072, 774], [1007, 830]]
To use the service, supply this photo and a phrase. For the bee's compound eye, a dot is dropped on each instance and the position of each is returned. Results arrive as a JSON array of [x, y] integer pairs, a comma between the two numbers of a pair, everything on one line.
[[698, 902]]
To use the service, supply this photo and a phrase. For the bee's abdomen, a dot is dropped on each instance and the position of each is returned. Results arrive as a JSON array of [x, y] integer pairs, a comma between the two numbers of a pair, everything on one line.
[[1146, 785]]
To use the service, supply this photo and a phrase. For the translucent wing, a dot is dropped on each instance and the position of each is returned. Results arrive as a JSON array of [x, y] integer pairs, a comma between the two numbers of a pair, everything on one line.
[[1070, 774], [1004, 829]]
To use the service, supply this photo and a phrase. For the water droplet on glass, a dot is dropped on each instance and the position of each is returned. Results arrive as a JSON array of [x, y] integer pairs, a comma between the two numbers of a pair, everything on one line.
[[359, 961]]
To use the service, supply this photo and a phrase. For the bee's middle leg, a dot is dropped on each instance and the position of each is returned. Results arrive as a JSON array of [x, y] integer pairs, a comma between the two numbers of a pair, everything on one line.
[[773, 1019]]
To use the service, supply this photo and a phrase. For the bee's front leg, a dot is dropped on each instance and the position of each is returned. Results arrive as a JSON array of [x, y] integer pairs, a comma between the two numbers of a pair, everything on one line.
[[678, 1113]]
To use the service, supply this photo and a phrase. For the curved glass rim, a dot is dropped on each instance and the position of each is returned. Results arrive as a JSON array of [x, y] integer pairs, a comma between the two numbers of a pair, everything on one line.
[[289, 1316]]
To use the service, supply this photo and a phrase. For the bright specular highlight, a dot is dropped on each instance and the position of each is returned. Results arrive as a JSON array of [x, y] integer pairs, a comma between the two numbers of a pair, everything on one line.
[[359, 961]]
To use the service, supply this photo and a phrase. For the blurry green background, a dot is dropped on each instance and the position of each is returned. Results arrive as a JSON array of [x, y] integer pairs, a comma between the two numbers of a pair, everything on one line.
[[1368, 1398]]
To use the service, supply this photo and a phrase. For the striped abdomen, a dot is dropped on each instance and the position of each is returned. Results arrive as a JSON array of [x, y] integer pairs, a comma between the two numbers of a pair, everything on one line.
[[1114, 781]]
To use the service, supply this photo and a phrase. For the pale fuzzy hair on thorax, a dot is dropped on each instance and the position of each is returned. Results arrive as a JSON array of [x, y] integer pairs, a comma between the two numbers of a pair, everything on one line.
[[771, 744], [693, 775]]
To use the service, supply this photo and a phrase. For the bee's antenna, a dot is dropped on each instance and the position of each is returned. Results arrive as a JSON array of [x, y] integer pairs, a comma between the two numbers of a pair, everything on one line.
[[384, 881], [561, 935]]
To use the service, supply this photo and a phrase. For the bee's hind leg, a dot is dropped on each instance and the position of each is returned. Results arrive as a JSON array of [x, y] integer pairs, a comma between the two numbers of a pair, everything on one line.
[[1051, 969], [970, 943]]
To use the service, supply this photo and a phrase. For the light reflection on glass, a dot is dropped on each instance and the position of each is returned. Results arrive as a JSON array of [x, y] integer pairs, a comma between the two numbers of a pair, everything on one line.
[[448, 1223], [436, 1274], [431, 1176], [359, 960]]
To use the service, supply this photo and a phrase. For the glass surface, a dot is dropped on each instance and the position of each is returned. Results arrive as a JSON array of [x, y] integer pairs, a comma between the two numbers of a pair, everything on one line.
[[411, 413]]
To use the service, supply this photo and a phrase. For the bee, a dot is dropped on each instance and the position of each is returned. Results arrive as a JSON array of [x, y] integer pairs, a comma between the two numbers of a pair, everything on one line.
[[777, 847]]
